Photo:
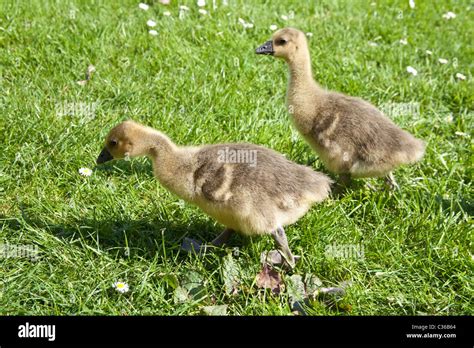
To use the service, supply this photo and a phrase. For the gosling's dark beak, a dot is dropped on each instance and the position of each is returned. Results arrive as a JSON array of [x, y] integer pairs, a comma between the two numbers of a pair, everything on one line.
[[104, 156], [266, 48]]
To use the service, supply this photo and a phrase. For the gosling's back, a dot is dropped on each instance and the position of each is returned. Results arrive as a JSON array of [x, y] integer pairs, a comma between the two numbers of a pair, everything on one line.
[[257, 195]]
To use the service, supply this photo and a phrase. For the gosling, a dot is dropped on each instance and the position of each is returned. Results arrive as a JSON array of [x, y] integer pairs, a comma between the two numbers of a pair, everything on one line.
[[351, 136], [245, 187]]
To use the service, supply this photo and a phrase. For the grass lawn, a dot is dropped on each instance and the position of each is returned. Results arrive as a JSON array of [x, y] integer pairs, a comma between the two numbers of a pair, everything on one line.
[[199, 81]]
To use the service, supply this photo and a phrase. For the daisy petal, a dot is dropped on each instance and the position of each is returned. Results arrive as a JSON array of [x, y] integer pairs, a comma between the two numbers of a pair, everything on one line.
[[85, 171], [449, 15], [412, 70], [121, 287], [143, 6]]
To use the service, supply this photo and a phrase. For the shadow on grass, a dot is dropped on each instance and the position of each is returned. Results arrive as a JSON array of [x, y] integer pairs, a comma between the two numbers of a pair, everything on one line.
[[140, 166], [459, 205], [144, 238]]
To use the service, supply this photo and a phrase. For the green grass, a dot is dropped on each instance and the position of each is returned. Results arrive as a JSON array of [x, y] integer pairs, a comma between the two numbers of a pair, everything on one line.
[[200, 82]]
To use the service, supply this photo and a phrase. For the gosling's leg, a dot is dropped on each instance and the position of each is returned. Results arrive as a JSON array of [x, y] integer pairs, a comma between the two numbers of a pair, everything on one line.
[[371, 187], [281, 241], [223, 237], [344, 180], [391, 182]]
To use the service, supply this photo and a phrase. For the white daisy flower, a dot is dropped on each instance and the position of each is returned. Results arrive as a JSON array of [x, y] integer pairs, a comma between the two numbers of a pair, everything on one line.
[[143, 6], [120, 287], [373, 44], [443, 61], [165, 2], [460, 76], [411, 3], [308, 34], [284, 17], [403, 41], [167, 13], [85, 171], [151, 23], [428, 52], [273, 27], [449, 15], [412, 70], [462, 134], [203, 12], [153, 32], [201, 3], [184, 8]]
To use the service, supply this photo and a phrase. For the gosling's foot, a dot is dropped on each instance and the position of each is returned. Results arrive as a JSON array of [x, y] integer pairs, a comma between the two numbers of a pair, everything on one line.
[[371, 187], [193, 246], [279, 236], [391, 183], [190, 245], [276, 258]]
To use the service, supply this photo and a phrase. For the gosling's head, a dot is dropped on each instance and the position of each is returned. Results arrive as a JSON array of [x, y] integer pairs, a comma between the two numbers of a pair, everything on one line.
[[286, 43], [122, 141]]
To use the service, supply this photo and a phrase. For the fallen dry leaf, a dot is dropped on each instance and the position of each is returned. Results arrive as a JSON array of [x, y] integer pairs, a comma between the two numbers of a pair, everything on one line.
[[192, 288], [215, 310], [274, 258], [230, 274], [90, 70], [332, 291], [313, 284], [268, 278], [296, 293]]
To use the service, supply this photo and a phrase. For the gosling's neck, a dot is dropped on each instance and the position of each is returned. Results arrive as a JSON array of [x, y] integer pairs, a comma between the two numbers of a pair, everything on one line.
[[301, 75], [162, 152]]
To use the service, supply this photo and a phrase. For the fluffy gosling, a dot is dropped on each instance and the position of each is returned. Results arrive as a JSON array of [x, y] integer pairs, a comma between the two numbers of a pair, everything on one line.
[[245, 187], [351, 136]]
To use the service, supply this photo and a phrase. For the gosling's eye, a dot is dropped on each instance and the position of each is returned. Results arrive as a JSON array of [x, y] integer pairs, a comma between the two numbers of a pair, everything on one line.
[[113, 143], [281, 42]]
